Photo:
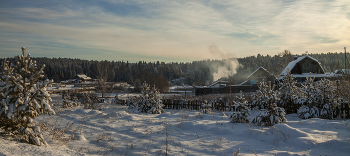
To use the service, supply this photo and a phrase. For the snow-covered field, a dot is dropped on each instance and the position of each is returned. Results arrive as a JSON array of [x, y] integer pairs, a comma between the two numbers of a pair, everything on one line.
[[114, 131]]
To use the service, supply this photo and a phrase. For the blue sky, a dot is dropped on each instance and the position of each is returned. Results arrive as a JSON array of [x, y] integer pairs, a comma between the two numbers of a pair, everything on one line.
[[171, 31]]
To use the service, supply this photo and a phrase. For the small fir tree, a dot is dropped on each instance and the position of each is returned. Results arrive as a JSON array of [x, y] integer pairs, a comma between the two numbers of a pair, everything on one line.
[[242, 111], [22, 98], [288, 90], [319, 100], [327, 99], [308, 99], [150, 101], [269, 113]]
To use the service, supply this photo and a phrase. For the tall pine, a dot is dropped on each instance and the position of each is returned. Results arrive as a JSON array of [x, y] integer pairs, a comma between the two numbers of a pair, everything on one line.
[[22, 98]]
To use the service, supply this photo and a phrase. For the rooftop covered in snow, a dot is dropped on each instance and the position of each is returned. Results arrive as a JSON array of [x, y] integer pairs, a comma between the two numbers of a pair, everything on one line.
[[304, 64]]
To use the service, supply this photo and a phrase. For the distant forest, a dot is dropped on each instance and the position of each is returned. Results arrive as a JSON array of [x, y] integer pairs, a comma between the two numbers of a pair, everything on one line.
[[190, 73]]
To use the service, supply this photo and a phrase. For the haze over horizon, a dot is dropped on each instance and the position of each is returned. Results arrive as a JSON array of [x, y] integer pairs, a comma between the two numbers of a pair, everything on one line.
[[171, 31]]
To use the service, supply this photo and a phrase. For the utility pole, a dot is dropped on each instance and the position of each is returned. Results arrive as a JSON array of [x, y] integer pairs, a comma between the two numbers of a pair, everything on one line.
[[346, 72]]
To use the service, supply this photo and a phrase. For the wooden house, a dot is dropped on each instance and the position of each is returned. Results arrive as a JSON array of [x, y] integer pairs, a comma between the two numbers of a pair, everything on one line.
[[302, 67], [259, 75], [219, 83], [82, 78]]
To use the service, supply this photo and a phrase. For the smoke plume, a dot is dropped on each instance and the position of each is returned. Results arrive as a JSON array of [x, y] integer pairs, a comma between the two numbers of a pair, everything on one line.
[[230, 63]]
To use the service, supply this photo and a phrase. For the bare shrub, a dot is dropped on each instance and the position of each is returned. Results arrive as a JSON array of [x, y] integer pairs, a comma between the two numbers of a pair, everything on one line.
[[58, 134]]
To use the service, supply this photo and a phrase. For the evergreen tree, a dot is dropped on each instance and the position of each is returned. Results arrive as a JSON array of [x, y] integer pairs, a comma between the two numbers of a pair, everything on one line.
[[319, 101], [23, 97], [265, 102], [328, 101], [242, 111], [308, 99], [288, 90], [150, 101]]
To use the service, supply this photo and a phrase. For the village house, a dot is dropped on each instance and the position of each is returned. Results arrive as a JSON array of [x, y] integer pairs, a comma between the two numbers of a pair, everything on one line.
[[259, 75], [82, 78], [302, 67], [219, 83]]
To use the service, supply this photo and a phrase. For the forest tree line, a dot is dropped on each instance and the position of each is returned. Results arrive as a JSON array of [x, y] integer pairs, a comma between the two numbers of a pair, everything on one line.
[[192, 73]]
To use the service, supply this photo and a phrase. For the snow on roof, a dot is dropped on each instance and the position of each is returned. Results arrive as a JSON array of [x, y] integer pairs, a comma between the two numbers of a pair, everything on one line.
[[83, 76], [307, 75], [243, 82], [291, 65], [257, 70], [218, 81], [342, 71], [252, 74]]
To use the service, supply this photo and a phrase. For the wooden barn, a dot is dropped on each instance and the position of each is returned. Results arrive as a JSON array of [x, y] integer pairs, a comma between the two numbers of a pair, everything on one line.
[[302, 67], [259, 75]]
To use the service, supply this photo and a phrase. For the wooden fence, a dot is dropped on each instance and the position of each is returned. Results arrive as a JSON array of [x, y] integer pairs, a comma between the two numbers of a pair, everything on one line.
[[197, 105], [342, 111]]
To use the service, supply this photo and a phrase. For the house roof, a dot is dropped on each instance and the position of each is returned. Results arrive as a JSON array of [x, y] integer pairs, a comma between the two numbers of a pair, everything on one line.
[[342, 71], [257, 70], [218, 82], [83, 76], [292, 64], [306, 75], [253, 74]]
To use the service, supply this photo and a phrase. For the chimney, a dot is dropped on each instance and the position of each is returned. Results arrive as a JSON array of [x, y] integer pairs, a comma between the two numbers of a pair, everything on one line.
[[24, 51], [295, 57]]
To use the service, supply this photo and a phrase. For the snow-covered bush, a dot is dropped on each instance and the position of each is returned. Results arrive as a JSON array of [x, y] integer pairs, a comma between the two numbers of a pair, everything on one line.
[[307, 112], [68, 104], [242, 111], [22, 98], [149, 101], [269, 117], [265, 103]]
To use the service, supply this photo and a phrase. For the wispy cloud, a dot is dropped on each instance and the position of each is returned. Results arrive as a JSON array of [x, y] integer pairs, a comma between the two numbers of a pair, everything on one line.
[[174, 30]]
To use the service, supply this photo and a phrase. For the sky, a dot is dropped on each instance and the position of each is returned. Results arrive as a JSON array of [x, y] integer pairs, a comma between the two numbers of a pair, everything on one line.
[[171, 31]]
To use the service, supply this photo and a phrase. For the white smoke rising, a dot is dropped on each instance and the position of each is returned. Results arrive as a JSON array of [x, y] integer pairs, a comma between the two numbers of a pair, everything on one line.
[[230, 63]]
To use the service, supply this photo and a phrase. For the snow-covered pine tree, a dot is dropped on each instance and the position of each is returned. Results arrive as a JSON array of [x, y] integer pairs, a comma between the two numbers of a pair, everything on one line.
[[288, 90], [308, 99], [23, 97], [155, 102], [265, 95], [269, 113], [142, 103], [150, 101], [320, 100], [327, 100], [242, 111]]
